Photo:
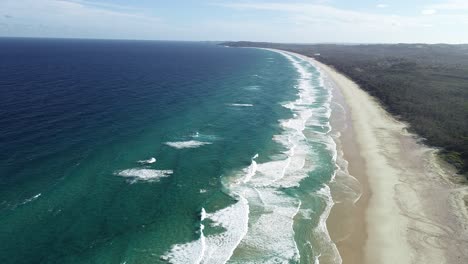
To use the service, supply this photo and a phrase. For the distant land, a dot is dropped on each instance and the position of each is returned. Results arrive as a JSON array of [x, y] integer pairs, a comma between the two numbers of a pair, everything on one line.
[[425, 85]]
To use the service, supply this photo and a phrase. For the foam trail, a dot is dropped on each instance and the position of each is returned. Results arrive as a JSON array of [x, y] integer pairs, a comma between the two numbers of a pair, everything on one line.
[[148, 161], [145, 174], [269, 236], [31, 199], [316, 259], [322, 225], [202, 236], [202, 214], [252, 87], [251, 170], [311, 107], [242, 105], [330, 140], [187, 144], [216, 248]]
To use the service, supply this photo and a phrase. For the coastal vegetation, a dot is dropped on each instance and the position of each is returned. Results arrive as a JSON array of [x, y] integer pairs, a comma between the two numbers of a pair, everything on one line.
[[421, 84]]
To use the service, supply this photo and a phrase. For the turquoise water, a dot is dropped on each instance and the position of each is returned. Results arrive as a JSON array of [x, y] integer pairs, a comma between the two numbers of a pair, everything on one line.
[[157, 152]]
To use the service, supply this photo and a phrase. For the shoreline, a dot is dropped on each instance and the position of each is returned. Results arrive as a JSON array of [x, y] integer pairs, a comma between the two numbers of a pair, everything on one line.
[[412, 208], [351, 236], [399, 219]]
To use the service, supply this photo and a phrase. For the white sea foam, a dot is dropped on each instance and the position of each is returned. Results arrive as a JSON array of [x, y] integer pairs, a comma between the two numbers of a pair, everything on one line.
[[242, 105], [252, 87], [316, 259], [31, 199], [187, 144], [148, 161], [306, 213], [216, 248], [202, 214], [251, 170], [321, 228], [145, 174], [192, 252], [287, 172], [260, 187], [271, 233]]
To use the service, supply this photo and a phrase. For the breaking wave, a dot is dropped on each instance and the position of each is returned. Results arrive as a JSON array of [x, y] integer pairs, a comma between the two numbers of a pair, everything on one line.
[[260, 225], [187, 144], [145, 174]]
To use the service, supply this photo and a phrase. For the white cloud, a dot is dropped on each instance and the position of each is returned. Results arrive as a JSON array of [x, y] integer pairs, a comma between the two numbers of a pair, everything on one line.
[[324, 23], [382, 6], [313, 21], [454, 5], [103, 5], [428, 11], [326, 15], [77, 18]]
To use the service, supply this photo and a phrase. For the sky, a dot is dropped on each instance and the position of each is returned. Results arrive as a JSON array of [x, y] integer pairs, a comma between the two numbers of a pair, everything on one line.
[[312, 21]]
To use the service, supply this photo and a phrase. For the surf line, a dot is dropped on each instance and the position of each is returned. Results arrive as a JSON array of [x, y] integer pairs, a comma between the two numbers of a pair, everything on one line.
[[296, 60], [235, 218], [251, 170]]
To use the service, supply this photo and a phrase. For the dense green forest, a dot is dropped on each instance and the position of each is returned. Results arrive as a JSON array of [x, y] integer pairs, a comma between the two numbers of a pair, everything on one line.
[[424, 85]]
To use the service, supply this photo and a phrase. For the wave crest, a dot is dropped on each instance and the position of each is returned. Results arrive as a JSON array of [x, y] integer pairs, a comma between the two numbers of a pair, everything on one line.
[[187, 144], [145, 174]]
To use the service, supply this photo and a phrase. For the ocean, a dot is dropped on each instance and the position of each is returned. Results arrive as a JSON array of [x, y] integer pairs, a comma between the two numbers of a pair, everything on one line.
[[163, 152]]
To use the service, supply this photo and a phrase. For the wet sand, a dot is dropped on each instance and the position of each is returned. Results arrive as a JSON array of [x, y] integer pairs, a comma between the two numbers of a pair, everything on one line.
[[412, 208]]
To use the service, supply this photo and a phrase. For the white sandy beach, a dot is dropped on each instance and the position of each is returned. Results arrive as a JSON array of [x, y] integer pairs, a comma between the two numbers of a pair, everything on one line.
[[412, 209]]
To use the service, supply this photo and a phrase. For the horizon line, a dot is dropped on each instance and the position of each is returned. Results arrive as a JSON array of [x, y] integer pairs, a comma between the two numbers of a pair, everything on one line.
[[227, 41]]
